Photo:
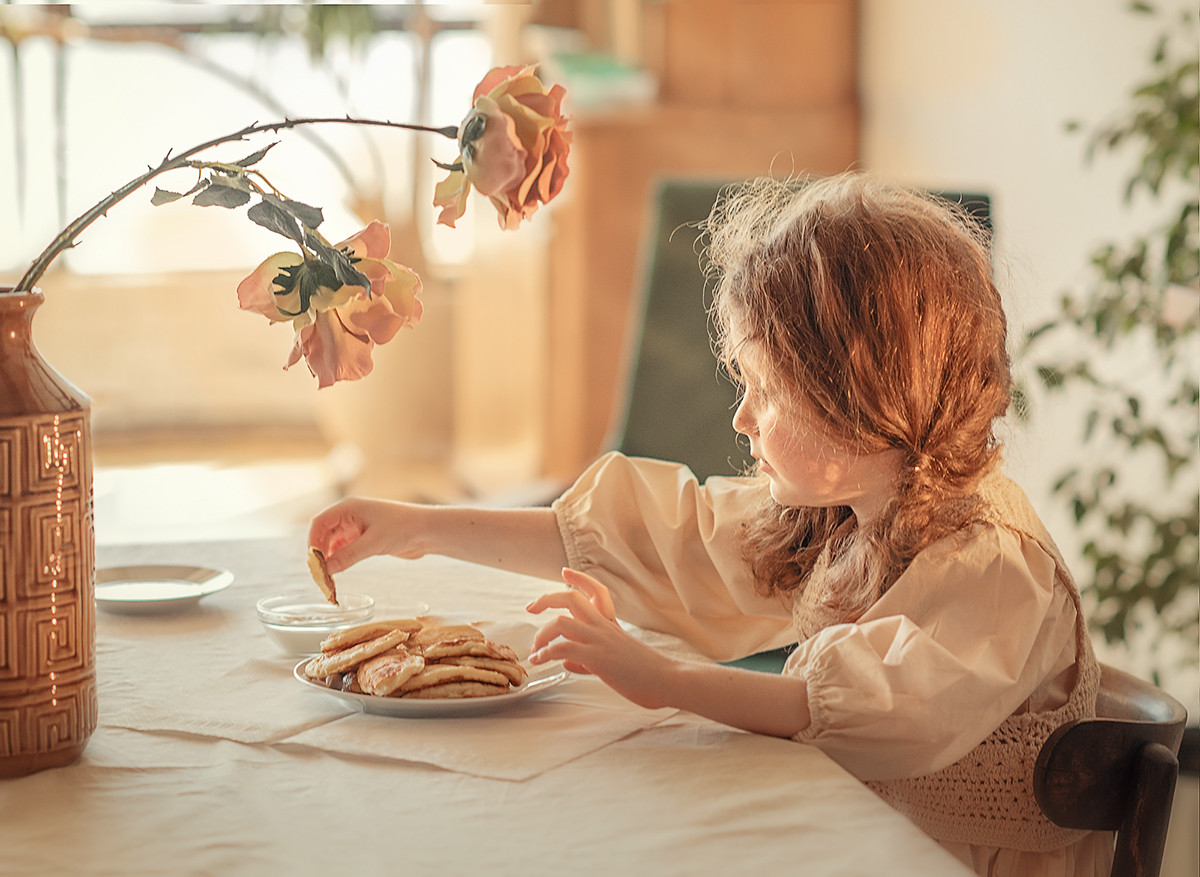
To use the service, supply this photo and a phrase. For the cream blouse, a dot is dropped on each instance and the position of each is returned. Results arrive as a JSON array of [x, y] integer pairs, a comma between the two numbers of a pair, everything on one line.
[[930, 670]]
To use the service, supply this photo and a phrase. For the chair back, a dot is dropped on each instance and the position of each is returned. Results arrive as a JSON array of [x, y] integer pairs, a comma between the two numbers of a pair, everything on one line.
[[676, 403], [1117, 771]]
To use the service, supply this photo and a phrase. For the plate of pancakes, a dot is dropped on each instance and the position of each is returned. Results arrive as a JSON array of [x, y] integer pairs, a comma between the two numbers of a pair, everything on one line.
[[423, 668]]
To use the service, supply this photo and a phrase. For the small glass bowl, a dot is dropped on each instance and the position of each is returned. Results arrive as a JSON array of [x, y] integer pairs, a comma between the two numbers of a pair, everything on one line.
[[298, 623]]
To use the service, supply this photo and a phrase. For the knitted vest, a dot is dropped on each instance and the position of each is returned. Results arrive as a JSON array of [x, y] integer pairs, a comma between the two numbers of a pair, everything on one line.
[[986, 797]]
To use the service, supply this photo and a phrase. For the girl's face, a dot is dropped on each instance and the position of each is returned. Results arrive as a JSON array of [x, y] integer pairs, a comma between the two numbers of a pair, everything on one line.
[[805, 464]]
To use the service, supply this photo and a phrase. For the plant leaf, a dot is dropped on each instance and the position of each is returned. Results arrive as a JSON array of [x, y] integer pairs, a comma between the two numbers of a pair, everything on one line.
[[255, 157], [217, 195], [162, 196], [272, 217], [315, 276], [339, 262], [306, 279], [310, 217]]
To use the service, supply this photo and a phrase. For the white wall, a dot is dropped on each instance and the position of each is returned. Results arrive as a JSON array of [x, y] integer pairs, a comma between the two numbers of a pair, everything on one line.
[[966, 94]]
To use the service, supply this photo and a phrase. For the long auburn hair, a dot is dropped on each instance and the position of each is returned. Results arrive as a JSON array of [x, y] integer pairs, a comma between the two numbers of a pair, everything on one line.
[[876, 306]]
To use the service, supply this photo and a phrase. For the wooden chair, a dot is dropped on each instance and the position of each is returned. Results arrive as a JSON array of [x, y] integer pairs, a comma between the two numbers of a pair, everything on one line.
[[1116, 772]]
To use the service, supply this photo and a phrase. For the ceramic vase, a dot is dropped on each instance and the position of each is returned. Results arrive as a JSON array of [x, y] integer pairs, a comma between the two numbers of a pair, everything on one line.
[[47, 554]]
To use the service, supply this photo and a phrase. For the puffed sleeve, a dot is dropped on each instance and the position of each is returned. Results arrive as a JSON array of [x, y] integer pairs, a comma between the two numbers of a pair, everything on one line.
[[972, 632], [667, 548]]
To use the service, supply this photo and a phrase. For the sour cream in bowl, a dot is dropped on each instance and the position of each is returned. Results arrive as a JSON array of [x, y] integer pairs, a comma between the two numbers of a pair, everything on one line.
[[297, 623]]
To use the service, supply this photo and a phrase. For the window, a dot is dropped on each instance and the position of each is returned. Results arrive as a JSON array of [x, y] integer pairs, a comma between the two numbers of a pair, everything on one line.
[[130, 82]]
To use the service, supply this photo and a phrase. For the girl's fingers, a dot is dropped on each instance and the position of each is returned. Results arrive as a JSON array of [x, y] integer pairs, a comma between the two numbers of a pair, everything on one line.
[[330, 535], [573, 601], [590, 608], [593, 590], [557, 652], [587, 599], [555, 600], [546, 634], [565, 651], [540, 604], [561, 627], [342, 559], [318, 535]]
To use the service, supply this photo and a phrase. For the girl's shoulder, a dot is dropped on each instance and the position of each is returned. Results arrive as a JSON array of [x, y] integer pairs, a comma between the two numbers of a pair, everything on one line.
[[1005, 503], [1005, 526]]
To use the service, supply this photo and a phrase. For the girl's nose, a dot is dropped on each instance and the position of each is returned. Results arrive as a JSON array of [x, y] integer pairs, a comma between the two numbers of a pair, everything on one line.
[[742, 422]]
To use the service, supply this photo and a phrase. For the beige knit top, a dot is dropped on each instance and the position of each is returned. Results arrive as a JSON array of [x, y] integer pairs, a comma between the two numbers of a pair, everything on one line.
[[986, 797]]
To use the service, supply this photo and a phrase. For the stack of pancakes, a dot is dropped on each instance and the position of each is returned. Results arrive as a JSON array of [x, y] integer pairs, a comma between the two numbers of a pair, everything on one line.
[[411, 658]]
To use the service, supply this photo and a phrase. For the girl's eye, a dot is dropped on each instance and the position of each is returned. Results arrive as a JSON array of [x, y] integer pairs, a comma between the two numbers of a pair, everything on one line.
[[752, 395]]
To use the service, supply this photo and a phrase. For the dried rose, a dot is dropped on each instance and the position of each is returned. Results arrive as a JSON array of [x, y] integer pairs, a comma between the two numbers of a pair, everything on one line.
[[513, 147], [337, 324]]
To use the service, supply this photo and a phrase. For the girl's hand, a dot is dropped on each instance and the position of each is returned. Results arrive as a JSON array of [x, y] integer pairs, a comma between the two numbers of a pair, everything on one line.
[[353, 529], [589, 640]]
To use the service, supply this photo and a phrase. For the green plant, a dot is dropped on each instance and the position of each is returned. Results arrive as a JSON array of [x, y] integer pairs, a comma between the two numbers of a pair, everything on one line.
[[1128, 347]]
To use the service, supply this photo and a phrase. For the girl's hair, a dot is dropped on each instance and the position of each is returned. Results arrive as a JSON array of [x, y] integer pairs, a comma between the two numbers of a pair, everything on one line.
[[875, 308]]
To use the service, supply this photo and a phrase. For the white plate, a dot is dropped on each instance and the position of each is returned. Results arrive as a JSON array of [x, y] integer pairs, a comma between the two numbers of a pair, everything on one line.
[[149, 590], [410, 708]]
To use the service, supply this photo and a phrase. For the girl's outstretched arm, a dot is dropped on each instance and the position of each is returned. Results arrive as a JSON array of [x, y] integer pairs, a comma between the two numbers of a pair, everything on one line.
[[519, 540], [589, 640]]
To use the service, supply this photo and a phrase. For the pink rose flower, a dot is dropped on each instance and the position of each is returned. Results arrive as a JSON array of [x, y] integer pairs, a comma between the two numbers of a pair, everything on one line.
[[337, 325], [513, 148]]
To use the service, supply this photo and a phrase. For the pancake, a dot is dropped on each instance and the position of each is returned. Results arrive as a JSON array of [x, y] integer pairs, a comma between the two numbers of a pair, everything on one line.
[[320, 574], [407, 658], [384, 673], [514, 671], [360, 633], [437, 674], [338, 662], [481, 649], [456, 690]]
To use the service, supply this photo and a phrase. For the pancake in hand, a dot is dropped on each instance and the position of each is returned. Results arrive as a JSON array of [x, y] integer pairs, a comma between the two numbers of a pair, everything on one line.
[[320, 574]]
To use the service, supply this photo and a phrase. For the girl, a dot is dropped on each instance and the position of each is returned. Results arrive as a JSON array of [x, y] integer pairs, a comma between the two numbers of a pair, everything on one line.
[[939, 635]]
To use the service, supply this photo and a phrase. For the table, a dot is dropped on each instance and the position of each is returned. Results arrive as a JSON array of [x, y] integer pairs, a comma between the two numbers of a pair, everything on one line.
[[210, 759]]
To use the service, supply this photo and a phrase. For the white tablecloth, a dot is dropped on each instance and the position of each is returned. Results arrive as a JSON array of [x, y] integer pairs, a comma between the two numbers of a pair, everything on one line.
[[211, 759]]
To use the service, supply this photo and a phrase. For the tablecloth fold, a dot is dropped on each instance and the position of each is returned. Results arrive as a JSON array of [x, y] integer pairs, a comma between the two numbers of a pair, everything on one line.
[[516, 743]]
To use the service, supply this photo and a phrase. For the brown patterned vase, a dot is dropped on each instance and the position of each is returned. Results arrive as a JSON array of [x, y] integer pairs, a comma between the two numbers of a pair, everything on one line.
[[47, 554]]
